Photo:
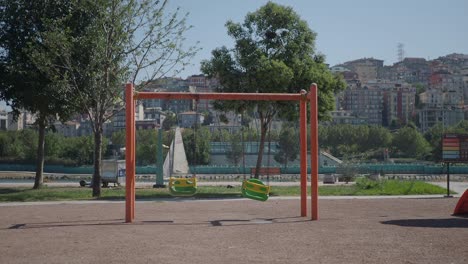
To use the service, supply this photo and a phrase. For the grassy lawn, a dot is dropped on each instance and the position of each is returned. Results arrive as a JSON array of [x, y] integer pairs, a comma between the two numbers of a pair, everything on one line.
[[361, 187]]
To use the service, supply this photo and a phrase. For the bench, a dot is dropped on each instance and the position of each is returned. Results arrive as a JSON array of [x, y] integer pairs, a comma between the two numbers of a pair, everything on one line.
[[266, 171]]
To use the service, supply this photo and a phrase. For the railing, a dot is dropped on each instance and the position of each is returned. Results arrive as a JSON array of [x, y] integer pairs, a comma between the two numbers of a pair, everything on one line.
[[361, 168]]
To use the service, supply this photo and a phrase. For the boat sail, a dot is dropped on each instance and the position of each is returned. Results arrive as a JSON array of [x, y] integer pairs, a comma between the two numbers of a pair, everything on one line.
[[177, 169], [176, 163]]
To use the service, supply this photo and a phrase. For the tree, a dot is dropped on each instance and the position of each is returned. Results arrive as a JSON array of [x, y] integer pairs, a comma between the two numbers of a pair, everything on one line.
[[379, 137], [274, 53], [170, 121], [108, 42], [410, 143], [419, 90], [235, 151], [146, 147], [23, 84], [434, 137], [197, 145], [288, 145]]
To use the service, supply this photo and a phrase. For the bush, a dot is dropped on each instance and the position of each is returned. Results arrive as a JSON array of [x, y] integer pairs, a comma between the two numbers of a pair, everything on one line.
[[365, 183], [348, 172]]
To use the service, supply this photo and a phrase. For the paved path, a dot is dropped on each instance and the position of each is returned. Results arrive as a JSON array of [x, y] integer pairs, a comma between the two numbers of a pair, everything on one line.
[[458, 187]]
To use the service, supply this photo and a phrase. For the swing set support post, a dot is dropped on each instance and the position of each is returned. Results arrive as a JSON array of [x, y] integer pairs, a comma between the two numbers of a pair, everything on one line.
[[314, 153], [303, 97], [303, 151], [129, 154]]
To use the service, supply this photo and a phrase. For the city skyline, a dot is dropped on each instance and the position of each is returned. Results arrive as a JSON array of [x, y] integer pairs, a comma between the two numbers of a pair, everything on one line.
[[345, 30]]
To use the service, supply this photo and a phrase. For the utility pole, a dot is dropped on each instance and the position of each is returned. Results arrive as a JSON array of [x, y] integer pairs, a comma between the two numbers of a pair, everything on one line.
[[401, 52]]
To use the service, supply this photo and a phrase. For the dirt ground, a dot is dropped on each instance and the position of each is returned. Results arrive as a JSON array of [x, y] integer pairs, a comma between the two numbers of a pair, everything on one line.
[[235, 231]]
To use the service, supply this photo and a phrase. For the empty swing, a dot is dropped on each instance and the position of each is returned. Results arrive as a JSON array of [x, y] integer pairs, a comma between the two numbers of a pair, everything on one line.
[[180, 185], [184, 186], [254, 188]]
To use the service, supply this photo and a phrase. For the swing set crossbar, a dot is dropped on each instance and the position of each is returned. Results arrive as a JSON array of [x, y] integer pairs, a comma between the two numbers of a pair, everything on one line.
[[220, 96], [303, 97]]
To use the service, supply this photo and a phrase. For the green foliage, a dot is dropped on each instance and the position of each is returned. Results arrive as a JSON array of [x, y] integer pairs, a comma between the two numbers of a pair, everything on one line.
[[197, 145], [118, 138], [409, 142], [24, 84], [98, 45], [221, 135], [288, 145], [170, 121], [274, 53], [20, 147], [365, 183], [235, 152], [419, 90], [54, 145], [27, 83], [79, 149], [146, 147], [348, 172], [434, 137], [354, 141]]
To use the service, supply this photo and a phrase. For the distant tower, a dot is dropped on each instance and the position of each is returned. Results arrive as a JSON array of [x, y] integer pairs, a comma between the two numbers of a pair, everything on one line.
[[401, 52]]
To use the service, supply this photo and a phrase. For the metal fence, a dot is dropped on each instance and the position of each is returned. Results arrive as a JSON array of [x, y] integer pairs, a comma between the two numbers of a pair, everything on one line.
[[426, 169]]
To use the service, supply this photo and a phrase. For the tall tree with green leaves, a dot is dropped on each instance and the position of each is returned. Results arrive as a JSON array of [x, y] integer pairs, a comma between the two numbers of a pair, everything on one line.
[[23, 83], [109, 42], [274, 53]]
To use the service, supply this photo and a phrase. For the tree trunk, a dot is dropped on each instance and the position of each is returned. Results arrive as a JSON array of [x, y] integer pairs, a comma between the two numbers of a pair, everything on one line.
[[263, 132], [97, 162], [39, 179]]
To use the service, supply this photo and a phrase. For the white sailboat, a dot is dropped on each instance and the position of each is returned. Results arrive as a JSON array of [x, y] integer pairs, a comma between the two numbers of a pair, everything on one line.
[[176, 163]]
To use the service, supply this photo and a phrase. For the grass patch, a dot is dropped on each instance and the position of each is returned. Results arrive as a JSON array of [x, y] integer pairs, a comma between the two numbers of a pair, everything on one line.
[[362, 186]]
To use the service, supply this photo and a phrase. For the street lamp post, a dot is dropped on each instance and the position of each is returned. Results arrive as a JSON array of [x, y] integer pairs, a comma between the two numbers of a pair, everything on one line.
[[159, 159]]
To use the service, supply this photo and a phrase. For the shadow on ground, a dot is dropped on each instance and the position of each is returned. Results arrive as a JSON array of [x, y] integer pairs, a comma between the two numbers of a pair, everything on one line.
[[10, 190], [433, 223], [113, 222]]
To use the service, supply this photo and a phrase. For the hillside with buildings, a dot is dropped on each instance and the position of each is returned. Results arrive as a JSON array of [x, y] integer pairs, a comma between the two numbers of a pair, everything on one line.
[[416, 90], [424, 92]]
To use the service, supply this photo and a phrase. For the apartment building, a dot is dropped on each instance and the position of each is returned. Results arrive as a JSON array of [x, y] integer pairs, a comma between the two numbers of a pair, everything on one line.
[[346, 117], [189, 119], [3, 120], [367, 69], [365, 102], [203, 84], [410, 70], [399, 104], [22, 121]]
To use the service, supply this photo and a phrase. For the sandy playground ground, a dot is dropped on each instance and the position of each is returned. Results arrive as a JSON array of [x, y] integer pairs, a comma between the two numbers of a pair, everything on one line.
[[235, 231]]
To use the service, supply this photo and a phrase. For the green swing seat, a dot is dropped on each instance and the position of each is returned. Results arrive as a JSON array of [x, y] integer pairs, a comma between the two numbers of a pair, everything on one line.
[[255, 189], [182, 186]]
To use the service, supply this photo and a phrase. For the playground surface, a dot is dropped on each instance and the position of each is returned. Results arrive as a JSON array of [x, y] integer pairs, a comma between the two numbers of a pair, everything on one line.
[[235, 231]]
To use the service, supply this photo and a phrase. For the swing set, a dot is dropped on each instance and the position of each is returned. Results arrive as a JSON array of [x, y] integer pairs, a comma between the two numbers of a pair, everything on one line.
[[252, 188]]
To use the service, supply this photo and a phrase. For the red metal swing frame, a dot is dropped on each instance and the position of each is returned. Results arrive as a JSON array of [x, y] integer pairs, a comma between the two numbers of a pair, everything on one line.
[[303, 97]]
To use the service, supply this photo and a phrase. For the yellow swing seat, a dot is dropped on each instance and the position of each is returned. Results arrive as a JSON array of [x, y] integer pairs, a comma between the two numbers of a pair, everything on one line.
[[182, 186], [255, 189]]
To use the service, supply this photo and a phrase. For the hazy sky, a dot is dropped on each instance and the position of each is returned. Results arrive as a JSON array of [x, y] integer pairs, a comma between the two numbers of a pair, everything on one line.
[[346, 29]]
